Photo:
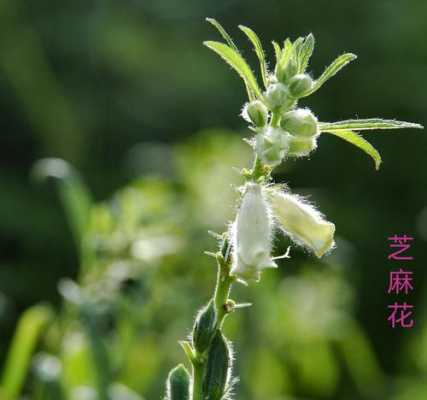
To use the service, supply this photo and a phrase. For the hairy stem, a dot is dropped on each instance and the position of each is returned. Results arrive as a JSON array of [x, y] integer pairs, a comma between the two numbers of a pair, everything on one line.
[[221, 293], [197, 381], [275, 119]]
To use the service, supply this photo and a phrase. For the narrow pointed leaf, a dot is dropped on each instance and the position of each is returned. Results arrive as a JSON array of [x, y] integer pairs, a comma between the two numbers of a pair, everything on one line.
[[30, 328], [367, 124], [306, 52], [74, 194], [223, 33], [332, 70], [75, 197], [277, 51], [188, 350], [238, 63], [286, 52], [360, 142], [298, 45], [256, 42]]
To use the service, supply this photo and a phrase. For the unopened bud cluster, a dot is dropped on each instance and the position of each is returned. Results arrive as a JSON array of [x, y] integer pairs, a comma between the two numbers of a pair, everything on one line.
[[294, 134], [283, 130]]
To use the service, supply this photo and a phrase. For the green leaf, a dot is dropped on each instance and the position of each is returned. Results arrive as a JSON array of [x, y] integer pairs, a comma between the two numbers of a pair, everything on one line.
[[217, 373], [298, 45], [30, 327], [100, 356], [286, 52], [360, 142], [306, 52], [178, 384], [223, 33], [188, 350], [333, 69], [253, 37], [277, 51], [367, 124], [204, 327], [238, 63], [75, 197]]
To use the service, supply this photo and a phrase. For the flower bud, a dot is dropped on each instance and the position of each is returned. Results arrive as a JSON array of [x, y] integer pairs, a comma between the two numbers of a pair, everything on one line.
[[178, 384], [278, 96], [302, 222], [300, 84], [300, 122], [300, 146], [272, 145], [256, 113], [284, 74], [204, 327], [251, 235]]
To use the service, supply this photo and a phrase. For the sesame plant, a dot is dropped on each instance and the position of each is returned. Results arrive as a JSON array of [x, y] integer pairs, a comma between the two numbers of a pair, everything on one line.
[[282, 130]]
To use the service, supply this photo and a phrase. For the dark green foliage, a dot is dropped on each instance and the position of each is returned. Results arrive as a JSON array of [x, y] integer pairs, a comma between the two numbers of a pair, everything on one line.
[[204, 327], [217, 372], [178, 384]]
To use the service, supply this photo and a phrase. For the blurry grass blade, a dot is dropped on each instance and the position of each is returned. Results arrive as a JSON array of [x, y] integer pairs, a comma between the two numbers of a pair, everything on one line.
[[99, 352], [118, 391], [29, 329], [367, 124], [361, 361], [306, 52], [47, 371], [223, 33], [253, 37], [75, 196], [360, 142], [238, 63], [77, 362], [338, 64]]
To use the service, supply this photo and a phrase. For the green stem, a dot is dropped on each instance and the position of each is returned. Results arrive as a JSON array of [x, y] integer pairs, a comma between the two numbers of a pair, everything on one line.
[[197, 381], [275, 119], [259, 171], [222, 291]]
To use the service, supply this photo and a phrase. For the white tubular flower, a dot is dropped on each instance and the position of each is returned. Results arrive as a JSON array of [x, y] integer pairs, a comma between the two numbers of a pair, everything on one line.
[[302, 222], [251, 235]]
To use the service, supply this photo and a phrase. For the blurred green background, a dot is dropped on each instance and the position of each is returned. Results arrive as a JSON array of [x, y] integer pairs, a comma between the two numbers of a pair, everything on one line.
[[147, 121]]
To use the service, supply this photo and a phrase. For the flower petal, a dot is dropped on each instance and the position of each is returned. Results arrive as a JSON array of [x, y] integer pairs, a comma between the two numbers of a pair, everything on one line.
[[251, 235], [302, 222]]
